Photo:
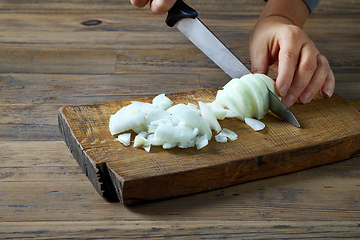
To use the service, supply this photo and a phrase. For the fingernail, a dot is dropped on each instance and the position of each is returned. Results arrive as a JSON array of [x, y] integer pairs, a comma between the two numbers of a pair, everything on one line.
[[289, 100], [282, 91], [328, 93], [305, 98]]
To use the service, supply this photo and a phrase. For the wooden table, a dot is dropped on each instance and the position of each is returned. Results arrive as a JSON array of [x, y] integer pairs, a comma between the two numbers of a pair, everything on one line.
[[60, 53]]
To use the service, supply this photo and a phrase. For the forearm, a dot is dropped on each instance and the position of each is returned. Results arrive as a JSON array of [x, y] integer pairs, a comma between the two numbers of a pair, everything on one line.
[[295, 11]]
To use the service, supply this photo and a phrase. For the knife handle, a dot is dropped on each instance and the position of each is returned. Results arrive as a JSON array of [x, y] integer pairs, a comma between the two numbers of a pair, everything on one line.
[[179, 11]]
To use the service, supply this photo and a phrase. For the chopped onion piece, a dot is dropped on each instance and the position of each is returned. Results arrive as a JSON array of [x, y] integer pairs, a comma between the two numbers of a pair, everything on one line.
[[161, 101], [144, 107], [255, 124], [220, 138], [226, 134], [157, 114], [169, 145], [179, 133], [124, 138], [140, 139], [191, 143], [191, 118], [152, 140], [147, 148], [201, 142], [134, 118], [209, 117]]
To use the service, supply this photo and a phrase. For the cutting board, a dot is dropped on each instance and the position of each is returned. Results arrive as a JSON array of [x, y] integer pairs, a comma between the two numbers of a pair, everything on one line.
[[330, 132]]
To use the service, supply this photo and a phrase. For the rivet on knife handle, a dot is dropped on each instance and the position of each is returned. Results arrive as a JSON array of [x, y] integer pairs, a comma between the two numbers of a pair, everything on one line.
[[179, 11]]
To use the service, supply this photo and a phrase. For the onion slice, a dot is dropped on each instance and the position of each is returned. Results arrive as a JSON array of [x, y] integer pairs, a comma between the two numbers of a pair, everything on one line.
[[255, 124], [209, 117]]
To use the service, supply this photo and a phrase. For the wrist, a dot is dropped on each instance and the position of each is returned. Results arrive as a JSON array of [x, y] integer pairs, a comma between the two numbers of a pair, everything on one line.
[[296, 11]]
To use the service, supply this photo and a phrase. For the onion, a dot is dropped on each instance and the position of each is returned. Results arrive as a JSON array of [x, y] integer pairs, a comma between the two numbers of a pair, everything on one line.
[[188, 125], [124, 138], [209, 117], [247, 96], [161, 101], [179, 133], [140, 139], [220, 138], [218, 110], [169, 145], [119, 123], [226, 134], [152, 140], [224, 98], [255, 124], [201, 142], [191, 118]]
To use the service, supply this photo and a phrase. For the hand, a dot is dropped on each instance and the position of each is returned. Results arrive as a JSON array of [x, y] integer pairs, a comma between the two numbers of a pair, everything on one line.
[[302, 70], [156, 6], [278, 41]]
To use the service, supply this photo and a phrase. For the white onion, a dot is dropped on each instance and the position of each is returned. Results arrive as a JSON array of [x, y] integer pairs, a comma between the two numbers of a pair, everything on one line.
[[191, 118], [169, 145], [218, 110], [201, 141], [188, 144], [247, 96], [140, 139], [224, 98], [209, 117], [179, 133], [119, 123], [188, 125], [161, 101], [226, 134], [255, 124], [152, 140], [221, 138], [124, 138]]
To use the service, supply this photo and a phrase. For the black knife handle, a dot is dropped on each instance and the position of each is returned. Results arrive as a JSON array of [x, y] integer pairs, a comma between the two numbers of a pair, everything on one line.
[[179, 11]]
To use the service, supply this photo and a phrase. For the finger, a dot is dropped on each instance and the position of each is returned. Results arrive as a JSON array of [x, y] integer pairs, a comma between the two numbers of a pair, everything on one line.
[[260, 58], [306, 68], [161, 6], [139, 3], [317, 81], [288, 60], [328, 88]]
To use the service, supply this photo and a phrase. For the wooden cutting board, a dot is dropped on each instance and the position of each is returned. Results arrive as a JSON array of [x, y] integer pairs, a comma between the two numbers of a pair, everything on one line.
[[330, 132]]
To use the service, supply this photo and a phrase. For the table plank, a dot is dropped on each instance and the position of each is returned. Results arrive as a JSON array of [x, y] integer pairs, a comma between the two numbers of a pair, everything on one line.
[[52, 174]]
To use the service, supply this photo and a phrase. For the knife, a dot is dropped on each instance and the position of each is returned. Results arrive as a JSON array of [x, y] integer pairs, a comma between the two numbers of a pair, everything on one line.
[[186, 20]]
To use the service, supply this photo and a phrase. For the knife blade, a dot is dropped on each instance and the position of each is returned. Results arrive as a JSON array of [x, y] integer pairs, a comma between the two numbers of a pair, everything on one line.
[[186, 21]]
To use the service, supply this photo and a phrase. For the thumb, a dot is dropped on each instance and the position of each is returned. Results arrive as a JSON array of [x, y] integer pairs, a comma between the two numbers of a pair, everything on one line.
[[161, 6]]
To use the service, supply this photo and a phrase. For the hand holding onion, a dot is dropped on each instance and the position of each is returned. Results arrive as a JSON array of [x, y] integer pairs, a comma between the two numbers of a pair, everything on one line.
[[278, 41]]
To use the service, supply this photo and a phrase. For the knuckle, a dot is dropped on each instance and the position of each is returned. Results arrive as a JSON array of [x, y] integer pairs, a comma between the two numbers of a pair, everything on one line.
[[323, 62], [309, 65]]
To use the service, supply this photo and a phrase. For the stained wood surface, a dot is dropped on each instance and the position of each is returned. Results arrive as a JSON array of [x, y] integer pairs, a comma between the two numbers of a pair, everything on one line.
[[52, 55]]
